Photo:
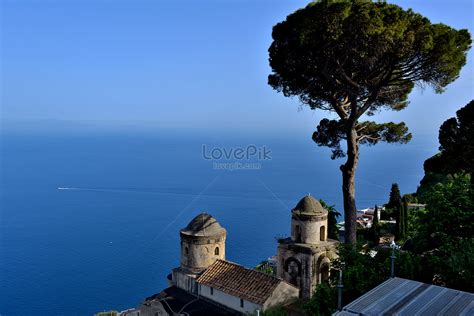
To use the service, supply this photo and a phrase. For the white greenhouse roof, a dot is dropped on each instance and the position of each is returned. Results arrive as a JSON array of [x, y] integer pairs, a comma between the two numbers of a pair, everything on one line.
[[398, 296]]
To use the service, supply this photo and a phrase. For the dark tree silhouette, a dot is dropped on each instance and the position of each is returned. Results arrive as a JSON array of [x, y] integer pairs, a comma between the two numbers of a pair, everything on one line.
[[456, 139]]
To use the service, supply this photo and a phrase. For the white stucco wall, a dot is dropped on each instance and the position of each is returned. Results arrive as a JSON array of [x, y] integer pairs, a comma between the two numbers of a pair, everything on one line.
[[230, 301]]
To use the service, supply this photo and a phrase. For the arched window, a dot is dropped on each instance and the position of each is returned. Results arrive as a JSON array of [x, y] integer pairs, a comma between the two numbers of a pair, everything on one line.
[[216, 251], [298, 233], [186, 250], [324, 264], [322, 233], [325, 273]]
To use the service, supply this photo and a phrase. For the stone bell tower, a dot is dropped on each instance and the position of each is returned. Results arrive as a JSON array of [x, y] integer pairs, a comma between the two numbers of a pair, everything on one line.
[[304, 258], [202, 243]]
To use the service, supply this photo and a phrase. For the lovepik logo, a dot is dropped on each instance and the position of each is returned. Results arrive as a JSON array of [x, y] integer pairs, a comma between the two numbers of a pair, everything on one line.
[[250, 152]]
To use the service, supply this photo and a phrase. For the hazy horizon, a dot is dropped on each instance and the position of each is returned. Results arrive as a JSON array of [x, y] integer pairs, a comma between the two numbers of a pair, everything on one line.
[[178, 65]]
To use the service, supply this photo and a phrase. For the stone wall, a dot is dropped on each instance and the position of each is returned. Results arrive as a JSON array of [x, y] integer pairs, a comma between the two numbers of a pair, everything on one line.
[[301, 265], [184, 280], [198, 253], [284, 293], [308, 230], [296, 268]]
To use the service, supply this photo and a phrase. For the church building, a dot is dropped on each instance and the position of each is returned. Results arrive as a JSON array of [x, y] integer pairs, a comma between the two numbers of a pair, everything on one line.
[[202, 243], [205, 273], [304, 258], [206, 283]]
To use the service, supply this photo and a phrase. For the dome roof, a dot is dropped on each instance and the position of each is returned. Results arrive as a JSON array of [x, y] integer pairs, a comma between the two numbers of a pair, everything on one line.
[[309, 206], [203, 225]]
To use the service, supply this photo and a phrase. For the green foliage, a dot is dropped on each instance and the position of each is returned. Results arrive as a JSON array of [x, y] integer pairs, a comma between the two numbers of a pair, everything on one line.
[[429, 181], [456, 139], [397, 208], [356, 57], [456, 158], [456, 264], [443, 236], [443, 240], [405, 216], [411, 198], [375, 220], [408, 266], [443, 230], [374, 233], [363, 272], [333, 214], [109, 313], [360, 57], [329, 133], [449, 214], [323, 302], [392, 208], [395, 199], [274, 311], [399, 223], [265, 267]]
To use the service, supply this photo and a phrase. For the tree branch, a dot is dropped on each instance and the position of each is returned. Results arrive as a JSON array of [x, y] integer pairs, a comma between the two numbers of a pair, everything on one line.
[[361, 138]]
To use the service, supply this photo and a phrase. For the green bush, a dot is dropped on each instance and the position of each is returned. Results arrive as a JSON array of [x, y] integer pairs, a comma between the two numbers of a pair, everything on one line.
[[323, 302]]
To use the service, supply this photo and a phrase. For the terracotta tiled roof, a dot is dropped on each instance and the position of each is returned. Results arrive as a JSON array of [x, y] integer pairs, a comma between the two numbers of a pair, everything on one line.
[[236, 280]]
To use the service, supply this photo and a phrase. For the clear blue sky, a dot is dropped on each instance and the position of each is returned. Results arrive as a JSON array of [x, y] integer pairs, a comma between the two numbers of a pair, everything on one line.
[[177, 64]]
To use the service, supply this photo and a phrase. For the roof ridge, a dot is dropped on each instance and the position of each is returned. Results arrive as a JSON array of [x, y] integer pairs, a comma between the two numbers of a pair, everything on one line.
[[251, 269]]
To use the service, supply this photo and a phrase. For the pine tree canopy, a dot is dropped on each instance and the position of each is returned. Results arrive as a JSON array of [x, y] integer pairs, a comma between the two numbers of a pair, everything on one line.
[[359, 57]]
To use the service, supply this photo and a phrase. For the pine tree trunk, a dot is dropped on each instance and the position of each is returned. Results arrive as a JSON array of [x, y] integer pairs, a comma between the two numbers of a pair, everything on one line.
[[348, 187]]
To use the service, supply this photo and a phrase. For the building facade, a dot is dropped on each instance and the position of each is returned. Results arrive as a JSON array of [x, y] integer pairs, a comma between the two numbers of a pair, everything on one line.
[[202, 243], [304, 258], [204, 272]]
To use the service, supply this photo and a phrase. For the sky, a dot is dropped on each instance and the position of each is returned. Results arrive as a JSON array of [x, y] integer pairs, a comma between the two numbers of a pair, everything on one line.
[[177, 65]]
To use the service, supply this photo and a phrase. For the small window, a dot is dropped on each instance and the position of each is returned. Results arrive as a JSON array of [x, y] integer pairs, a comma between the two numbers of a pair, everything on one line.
[[212, 291], [322, 233], [298, 233], [241, 303], [186, 250], [216, 251]]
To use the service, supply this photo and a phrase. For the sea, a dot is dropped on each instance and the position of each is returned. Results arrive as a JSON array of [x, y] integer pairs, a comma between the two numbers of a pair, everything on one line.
[[89, 221]]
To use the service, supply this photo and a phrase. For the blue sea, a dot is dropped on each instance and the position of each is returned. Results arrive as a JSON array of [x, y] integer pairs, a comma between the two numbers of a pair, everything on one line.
[[90, 221]]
